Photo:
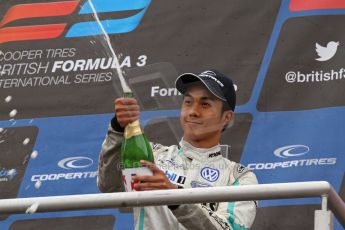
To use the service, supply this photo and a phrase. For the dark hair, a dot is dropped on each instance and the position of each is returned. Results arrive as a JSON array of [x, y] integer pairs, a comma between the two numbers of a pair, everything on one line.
[[225, 106]]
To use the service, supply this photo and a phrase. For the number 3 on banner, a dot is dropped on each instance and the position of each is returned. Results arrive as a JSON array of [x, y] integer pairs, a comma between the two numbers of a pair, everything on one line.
[[141, 60]]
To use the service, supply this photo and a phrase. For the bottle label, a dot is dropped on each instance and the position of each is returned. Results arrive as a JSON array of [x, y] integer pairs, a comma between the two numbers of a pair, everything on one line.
[[128, 173], [132, 129]]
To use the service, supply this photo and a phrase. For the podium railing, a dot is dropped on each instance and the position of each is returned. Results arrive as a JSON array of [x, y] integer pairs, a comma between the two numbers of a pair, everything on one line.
[[323, 217]]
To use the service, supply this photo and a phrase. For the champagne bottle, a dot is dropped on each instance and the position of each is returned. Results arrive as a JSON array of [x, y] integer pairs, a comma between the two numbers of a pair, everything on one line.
[[135, 147]]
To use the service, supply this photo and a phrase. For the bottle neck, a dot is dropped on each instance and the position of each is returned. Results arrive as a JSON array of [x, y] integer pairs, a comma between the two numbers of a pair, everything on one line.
[[132, 129], [128, 94]]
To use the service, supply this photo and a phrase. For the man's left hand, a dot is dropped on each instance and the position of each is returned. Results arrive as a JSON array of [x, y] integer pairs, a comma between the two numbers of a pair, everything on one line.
[[155, 182]]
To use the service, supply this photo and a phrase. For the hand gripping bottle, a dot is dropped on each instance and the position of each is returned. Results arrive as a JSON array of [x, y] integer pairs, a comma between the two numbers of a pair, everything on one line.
[[135, 147]]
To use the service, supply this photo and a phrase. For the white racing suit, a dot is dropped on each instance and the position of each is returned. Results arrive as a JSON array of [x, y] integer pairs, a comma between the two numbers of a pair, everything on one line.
[[187, 167]]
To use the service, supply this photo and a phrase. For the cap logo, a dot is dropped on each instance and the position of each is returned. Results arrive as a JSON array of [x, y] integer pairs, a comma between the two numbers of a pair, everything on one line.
[[211, 75]]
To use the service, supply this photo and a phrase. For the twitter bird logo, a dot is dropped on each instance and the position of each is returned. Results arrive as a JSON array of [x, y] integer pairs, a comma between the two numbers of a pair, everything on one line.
[[326, 53]]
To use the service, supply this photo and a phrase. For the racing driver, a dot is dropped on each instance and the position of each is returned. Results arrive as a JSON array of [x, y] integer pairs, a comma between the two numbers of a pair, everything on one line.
[[208, 106]]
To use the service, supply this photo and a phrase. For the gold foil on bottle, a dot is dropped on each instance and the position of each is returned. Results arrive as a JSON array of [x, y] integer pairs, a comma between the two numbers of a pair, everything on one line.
[[132, 129]]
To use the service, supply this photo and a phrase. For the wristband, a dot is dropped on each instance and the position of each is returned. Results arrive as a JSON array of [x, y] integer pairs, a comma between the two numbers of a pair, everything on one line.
[[116, 126]]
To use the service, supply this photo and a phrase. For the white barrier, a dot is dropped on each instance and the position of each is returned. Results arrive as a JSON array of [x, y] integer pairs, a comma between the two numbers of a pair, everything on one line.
[[321, 189]]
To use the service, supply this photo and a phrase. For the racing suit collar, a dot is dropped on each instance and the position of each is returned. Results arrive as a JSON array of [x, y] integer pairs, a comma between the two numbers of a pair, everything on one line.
[[202, 154]]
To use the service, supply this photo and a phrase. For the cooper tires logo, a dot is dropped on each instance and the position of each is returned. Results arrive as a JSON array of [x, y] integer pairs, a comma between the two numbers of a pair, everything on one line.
[[291, 151], [75, 162]]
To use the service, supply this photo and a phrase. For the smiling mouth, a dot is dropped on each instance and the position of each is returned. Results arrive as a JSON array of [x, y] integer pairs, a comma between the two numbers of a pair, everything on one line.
[[193, 122]]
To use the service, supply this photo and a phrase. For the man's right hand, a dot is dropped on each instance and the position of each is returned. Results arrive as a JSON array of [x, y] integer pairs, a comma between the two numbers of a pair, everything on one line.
[[127, 110]]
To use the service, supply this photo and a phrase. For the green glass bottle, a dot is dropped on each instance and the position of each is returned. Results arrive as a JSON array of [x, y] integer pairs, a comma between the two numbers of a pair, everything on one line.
[[135, 147]]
